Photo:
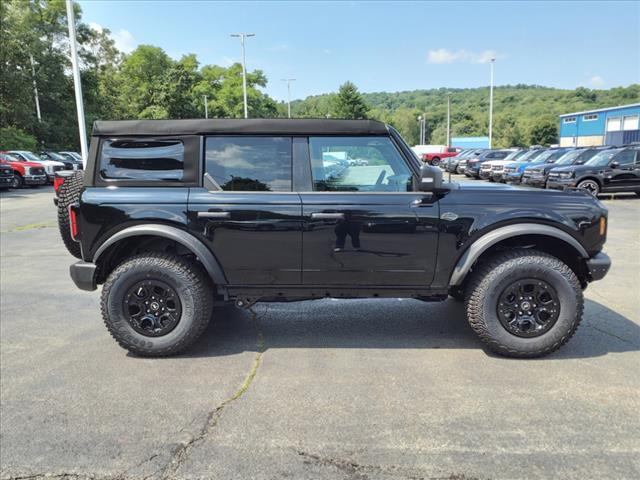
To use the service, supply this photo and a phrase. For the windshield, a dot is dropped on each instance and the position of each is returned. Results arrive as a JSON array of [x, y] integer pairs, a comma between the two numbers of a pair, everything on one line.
[[56, 156], [529, 155], [602, 159], [515, 155], [569, 158], [31, 157]]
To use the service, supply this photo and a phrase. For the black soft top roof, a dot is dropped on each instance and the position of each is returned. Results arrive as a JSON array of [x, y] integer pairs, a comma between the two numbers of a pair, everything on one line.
[[303, 126]]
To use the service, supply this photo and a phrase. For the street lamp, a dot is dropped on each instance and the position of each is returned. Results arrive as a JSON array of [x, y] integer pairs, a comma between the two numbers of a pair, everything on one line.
[[448, 119], [493, 61], [288, 80], [242, 37], [422, 121]]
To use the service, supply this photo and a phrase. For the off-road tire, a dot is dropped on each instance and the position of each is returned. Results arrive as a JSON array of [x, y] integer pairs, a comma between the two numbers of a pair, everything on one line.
[[69, 193], [187, 278], [493, 275]]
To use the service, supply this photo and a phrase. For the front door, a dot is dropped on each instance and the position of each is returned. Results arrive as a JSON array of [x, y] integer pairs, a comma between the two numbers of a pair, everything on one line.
[[362, 223], [246, 211], [623, 173]]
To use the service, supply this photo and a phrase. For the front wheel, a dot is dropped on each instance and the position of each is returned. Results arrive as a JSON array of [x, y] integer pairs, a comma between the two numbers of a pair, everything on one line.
[[156, 304], [435, 161], [590, 186], [18, 181], [524, 303]]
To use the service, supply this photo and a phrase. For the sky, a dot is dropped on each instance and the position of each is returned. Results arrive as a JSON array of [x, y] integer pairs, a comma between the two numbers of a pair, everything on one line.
[[391, 46]]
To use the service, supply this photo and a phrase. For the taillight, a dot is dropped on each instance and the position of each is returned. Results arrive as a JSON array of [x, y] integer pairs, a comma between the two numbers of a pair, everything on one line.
[[57, 182], [73, 222]]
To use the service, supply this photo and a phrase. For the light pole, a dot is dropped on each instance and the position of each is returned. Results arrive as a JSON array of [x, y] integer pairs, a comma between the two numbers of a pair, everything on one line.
[[420, 124], [35, 87], [448, 119], [76, 82], [288, 80], [242, 37], [493, 61], [206, 107]]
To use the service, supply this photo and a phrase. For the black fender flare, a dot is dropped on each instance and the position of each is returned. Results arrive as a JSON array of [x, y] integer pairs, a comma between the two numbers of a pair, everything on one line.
[[208, 260], [489, 239]]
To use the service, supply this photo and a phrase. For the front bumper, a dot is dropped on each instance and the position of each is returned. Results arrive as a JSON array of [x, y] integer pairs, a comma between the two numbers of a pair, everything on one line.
[[35, 179], [561, 184], [484, 174], [471, 172], [496, 176], [534, 181], [598, 266], [83, 275], [514, 177]]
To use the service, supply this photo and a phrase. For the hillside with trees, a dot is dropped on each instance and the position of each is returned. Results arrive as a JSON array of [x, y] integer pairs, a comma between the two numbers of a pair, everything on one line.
[[148, 83]]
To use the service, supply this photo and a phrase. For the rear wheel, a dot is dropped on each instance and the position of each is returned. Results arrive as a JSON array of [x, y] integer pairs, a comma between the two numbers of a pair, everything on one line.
[[524, 303], [590, 186], [435, 161], [156, 304], [69, 193]]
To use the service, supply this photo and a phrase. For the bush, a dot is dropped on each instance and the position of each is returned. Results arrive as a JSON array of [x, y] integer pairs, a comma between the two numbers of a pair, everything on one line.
[[12, 138]]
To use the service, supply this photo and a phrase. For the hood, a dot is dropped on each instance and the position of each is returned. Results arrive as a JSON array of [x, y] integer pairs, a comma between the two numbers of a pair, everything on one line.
[[50, 163], [24, 164], [579, 169]]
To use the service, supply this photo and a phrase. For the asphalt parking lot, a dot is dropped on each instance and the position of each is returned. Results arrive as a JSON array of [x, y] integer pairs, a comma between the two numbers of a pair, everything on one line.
[[353, 389]]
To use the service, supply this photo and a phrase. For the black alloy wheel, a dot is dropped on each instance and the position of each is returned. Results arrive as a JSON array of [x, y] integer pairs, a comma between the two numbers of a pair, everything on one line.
[[152, 308], [528, 308]]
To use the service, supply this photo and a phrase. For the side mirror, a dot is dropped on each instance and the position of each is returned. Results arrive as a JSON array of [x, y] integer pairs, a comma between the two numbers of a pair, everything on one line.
[[580, 162], [430, 179], [614, 164]]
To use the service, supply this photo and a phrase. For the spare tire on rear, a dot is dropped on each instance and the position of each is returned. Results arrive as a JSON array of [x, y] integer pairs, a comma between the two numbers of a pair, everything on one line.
[[69, 193]]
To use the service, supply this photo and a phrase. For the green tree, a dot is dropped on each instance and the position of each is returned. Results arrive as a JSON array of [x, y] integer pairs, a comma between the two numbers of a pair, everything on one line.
[[12, 138], [543, 131], [349, 103]]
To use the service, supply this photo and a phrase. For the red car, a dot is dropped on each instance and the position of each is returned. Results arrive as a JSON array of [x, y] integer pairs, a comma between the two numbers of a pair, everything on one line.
[[24, 173], [434, 154]]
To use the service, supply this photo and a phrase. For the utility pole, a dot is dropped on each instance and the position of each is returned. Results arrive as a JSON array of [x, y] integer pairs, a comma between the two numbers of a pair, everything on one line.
[[420, 125], [76, 82], [493, 61], [288, 80], [206, 107], [448, 119], [242, 37], [35, 87]]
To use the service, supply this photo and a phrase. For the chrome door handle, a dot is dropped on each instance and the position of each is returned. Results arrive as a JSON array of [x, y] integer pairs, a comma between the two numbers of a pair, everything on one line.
[[214, 215], [327, 216]]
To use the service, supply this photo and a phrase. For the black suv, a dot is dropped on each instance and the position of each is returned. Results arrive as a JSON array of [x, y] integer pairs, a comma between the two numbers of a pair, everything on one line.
[[177, 217], [610, 170]]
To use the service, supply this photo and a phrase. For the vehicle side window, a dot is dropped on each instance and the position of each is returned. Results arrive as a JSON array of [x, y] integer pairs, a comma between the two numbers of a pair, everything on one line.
[[452, 150], [358, 164], [250, 163], [145, 160], [626, 157]]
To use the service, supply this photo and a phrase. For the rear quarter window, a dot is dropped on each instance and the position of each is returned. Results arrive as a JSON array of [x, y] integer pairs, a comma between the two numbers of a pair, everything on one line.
[[145, 160]]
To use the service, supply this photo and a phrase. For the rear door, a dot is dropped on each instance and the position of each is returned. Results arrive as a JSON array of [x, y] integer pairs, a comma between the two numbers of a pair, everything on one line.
[[246, 211], [363, 224]]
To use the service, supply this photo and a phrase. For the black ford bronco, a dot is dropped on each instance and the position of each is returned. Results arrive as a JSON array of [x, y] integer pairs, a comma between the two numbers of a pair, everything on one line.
[[176, 217]]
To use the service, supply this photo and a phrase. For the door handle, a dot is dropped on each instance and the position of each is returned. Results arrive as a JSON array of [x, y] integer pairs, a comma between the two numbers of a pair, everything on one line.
[[327, 216], [219, 215]]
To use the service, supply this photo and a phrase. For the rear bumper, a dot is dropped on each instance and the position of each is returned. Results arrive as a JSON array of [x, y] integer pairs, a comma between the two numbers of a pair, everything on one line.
[[83, 275], [598, 266]]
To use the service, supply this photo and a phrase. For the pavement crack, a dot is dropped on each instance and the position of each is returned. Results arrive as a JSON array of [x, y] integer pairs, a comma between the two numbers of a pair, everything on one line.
[[181, 454], [601, 330]]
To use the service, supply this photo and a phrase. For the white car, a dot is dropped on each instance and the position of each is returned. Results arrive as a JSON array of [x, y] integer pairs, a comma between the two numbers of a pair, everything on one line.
[[492, 170], [50, 166]]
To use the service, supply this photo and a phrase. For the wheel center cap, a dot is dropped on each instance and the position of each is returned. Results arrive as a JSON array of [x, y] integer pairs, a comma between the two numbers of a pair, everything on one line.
[[154, 306], [525, 306]]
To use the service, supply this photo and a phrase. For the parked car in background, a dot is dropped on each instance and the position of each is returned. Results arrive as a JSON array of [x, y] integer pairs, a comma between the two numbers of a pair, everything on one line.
[[50, 166], [6, 176], [486, 170], [610, 170], [473, 165], [24, 173], [450, 164], [497, 166], [75, 155], [434, 154], [70, 163], [512, 172], [462, 162], [535, 175]]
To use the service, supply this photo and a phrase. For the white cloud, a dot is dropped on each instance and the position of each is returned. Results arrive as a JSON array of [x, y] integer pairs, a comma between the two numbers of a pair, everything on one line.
[[326, 51], [123, 39], [442, 55], [596, 81]]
